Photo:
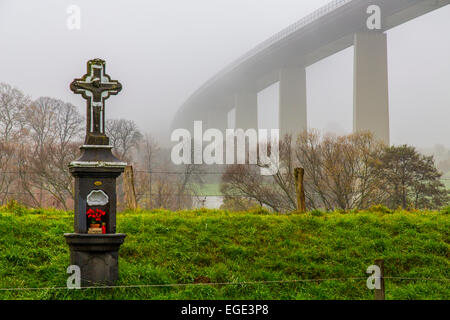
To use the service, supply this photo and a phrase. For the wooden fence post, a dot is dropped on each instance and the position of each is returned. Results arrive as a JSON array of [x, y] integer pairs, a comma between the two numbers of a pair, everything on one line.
[[380, 293], [150, 190], [130, 193], [299, 173]]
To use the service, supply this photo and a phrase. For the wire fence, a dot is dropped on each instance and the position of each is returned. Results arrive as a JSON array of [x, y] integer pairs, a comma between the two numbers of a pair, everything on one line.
[[241, 283], [163, 172], [200, 194]]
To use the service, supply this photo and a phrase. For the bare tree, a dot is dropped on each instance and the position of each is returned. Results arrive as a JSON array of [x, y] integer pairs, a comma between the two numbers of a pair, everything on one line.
[[124, 136], [8, 154], [276, 192], [12, 105], [338, 174], [55, 132], [148, 151], [186, 183], [339, 171], [37, 141], [246, 181]]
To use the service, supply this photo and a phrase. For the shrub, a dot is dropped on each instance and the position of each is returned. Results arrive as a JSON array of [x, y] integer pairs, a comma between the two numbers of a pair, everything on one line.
[[15, 207], [380, 208], [317, 213]]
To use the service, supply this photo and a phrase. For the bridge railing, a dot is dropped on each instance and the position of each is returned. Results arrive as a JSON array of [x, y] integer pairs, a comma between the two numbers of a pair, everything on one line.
[[315, 15], [322, 11]]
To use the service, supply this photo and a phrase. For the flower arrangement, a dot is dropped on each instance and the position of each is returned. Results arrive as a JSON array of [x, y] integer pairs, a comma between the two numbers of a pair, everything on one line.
[[95, 216]]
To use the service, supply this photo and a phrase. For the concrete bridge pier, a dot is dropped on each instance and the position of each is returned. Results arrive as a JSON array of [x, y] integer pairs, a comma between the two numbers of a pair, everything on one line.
[[217, 118], [246, 104], [371, 90], [292, 100]]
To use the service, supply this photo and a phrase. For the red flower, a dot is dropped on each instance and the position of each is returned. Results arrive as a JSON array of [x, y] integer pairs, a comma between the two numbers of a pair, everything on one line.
[[95, 215]]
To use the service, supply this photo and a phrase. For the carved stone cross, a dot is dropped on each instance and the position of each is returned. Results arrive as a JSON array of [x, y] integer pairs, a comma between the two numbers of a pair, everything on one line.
[[95, 86]]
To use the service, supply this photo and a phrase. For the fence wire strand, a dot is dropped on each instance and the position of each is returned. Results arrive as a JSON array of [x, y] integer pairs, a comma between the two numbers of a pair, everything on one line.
[[220, 283]]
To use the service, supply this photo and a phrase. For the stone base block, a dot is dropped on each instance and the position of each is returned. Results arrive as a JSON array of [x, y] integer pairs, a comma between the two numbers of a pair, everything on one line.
[[97, 255]]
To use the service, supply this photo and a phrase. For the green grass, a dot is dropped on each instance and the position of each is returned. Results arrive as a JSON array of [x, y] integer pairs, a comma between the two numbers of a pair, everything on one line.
[[209, 189], [189, 247]]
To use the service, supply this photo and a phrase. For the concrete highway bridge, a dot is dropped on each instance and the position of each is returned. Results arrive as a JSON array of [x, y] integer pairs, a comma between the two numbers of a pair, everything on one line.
[[284, 57]]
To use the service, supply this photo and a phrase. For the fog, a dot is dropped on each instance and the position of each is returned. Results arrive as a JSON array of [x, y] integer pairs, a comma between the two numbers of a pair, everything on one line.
[[163, 50]]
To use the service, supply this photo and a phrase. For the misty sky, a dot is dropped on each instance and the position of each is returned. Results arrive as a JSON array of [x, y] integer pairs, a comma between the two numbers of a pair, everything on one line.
[[163, 50]]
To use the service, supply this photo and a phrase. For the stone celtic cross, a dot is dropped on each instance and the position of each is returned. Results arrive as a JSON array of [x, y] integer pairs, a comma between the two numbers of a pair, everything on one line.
[[95, 86]]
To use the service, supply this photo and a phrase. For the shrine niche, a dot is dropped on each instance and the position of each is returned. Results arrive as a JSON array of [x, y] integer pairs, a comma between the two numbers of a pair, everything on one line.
[[97, 211]]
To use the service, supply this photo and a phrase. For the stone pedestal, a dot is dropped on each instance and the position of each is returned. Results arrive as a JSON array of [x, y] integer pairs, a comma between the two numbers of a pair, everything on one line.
[[97, 255]]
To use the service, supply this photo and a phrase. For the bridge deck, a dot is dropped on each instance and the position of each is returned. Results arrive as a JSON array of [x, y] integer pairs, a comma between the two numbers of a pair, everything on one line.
[[323, 33]]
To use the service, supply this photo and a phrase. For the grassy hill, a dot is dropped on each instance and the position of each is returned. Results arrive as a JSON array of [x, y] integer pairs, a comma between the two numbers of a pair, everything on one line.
[[201, 246]]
